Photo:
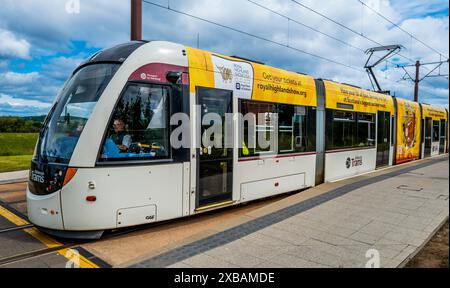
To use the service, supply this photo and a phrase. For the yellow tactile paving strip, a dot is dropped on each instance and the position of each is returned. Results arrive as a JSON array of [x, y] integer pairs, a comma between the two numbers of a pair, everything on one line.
[[46, 240]]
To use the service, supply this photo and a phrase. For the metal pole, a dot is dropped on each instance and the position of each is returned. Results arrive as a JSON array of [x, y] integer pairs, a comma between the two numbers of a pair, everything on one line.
[[375, 79], [136, 20], [416, 86]]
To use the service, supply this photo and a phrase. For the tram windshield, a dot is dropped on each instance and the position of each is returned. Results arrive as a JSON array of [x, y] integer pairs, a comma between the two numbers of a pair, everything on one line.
[[72, 111]]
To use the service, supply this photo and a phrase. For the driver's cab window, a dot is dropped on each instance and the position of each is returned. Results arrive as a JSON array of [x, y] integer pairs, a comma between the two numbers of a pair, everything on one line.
[[138, 129]]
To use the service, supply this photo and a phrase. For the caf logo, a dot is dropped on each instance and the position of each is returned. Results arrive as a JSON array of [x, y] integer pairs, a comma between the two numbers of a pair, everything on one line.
[[348, 163]]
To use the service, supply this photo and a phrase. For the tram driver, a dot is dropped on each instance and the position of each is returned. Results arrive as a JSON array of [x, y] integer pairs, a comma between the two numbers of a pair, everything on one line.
[[120, 137]]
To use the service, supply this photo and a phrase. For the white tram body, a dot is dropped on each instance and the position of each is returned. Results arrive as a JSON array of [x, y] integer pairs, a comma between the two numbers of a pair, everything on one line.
[[77, 190]]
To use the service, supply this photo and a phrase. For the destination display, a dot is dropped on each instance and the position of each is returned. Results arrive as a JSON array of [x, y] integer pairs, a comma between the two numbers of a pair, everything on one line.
[[345, 97], [435, 113]]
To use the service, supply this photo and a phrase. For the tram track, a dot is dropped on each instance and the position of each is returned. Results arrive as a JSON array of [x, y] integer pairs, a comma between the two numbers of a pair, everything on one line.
[[8, 202], [43, 252], [7, 206], [34, 254], [16, 228], [60, 246], [74, 245], [61, 249], [17, 202]]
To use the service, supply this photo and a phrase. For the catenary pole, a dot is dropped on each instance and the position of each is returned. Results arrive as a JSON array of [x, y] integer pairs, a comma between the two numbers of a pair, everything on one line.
[[136, 20]]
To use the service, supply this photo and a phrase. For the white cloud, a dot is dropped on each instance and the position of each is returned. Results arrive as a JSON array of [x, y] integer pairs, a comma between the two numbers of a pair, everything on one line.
[[11, 47], [253, 19], [103, 23], [22, 103], [48, 26], [61, 67], [413, 9], [12, 78]]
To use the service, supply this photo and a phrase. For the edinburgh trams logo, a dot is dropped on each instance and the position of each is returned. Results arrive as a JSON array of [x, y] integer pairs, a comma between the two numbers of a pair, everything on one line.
[[354, 162], [37, 176], [348, 163]]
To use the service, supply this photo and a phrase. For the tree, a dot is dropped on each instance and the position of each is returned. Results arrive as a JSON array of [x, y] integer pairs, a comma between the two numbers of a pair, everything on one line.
[[19, 125]]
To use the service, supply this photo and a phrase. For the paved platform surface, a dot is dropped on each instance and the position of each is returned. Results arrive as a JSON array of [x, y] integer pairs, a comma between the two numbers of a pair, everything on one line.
[[14, 176], [390, 214]]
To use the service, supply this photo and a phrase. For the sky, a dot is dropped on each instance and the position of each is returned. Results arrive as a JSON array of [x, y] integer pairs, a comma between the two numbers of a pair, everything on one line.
[[41, 42]]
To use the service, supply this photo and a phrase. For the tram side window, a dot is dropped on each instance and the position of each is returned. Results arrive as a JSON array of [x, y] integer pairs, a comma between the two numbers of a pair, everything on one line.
[[366, 130], [260, 116], [139, 126], [296, 128], [346, 129], [443, 130], [436, 125], [340, 129]]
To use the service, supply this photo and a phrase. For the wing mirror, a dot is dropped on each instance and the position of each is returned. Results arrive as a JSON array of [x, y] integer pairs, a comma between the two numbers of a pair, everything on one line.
[[174, 77]]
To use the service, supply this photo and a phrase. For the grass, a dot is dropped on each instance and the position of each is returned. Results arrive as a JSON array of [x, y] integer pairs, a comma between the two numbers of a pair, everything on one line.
[[16, 144], [15, 163], [16, 150]]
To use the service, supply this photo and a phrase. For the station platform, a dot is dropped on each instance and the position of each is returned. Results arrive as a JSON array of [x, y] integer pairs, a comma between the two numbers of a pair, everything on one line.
[[387, 215], [13, 177], [380, 219]]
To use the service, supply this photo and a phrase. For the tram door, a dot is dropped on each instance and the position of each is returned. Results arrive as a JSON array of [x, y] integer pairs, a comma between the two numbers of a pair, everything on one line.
[[428, 130], [214, 159], [383, 138]]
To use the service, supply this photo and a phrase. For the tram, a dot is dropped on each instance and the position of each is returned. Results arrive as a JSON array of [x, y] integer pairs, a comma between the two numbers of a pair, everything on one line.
[[106, 159]]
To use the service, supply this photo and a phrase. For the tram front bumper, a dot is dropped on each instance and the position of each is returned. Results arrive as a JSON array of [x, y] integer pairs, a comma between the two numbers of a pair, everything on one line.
[[45, 211]]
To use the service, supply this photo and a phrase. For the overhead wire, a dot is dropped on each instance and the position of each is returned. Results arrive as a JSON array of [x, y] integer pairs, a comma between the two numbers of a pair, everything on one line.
[[252, 35], [346, 27], [288, 46], [402, 29]]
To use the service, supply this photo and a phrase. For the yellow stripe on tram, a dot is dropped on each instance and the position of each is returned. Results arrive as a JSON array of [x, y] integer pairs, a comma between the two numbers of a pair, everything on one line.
[[46, 240]]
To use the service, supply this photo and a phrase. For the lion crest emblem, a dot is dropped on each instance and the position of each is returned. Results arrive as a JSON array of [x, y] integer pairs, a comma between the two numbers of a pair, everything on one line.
[[409, 130], [226, 73]]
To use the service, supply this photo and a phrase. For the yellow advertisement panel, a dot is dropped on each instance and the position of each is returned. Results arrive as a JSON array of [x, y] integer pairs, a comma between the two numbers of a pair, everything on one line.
[[436, 113], [345, 97], [249, 80], [200, 73], [275, 85], [408, 131]]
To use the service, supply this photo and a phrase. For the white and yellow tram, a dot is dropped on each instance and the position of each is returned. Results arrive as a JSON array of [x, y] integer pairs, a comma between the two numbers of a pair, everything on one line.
[[106, 158]]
